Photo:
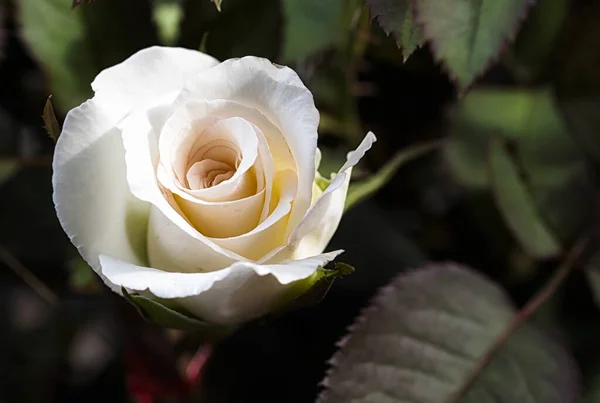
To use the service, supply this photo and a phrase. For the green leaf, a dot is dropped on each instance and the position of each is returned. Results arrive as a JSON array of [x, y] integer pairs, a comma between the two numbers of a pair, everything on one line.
[[73, 46], [485, 111], [242, 28], [530, 118], [360, 191], [517, 205], [467, 35], [396, 17], [425, 339], [310, 26], [50, 122], [156, 312], [311, 291], [551, 163]]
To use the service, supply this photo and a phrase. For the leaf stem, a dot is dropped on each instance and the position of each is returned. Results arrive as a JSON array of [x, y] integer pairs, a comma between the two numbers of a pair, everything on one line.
[[524, 314], [27, 276], [361, 190]]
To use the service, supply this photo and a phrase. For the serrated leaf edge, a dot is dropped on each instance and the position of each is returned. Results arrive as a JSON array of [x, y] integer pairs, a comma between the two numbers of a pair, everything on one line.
[[491, 61], [375, 16], [375, 304]]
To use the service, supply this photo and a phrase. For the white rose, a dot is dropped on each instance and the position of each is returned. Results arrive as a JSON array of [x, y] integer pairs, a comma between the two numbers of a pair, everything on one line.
[[194, 181]]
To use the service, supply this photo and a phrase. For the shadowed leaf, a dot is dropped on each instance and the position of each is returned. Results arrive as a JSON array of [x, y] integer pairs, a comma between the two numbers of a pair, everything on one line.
[[396, 17], [549, 161], [311, 291], [467, 35], [157, 313], [517, 205], [426, 334]]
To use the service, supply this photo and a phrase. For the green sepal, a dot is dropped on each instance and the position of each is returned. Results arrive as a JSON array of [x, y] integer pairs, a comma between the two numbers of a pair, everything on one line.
[[51, 124], [310, 291], [155, 312]]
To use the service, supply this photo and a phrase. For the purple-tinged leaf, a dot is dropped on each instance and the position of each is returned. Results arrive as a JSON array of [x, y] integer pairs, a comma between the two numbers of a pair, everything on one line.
[[426, 339]]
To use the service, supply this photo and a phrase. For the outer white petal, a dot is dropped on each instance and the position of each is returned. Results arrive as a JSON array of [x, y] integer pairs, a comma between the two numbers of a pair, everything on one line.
[[315, 230], [148, 73], [91, 196], [276, 92], [238, 293]]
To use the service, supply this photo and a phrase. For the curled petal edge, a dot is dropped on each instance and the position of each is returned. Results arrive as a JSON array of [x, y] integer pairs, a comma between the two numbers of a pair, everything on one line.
[[170, 285]]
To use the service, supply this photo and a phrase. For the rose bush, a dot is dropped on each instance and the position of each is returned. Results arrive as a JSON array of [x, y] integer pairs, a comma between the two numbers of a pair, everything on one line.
[[195, 182]]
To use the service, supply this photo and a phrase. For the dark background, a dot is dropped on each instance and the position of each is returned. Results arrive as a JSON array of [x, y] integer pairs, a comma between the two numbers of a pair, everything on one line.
[[81, 343]]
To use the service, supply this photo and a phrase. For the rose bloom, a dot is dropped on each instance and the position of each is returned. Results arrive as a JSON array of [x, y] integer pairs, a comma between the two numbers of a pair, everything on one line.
[[193, 181]]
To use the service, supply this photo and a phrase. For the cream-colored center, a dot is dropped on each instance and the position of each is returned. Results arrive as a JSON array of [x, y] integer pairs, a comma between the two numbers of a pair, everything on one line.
[[212, 164]]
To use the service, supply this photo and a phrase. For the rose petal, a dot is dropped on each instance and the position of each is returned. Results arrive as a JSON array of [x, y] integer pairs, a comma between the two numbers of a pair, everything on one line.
[[92, 199], [221, 220], [169, 233], [276, 92], [270, 233], [272, 148], [238, 293], [148, 73], [255, 242], [91, 195], [315, 230], [174, 152]]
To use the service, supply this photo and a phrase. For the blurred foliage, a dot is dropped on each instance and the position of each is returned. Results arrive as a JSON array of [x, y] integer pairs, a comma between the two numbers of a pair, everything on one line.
[[508, 90], [548, 175], [75, 45]]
